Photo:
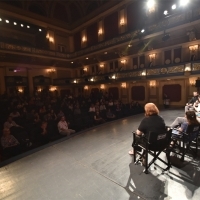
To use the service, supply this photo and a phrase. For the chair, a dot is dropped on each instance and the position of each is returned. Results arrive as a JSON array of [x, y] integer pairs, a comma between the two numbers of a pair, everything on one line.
[[184, 141], [153, 145]]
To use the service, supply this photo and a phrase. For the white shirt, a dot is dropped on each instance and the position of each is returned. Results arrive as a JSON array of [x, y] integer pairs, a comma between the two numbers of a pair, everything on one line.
[[62, 125]]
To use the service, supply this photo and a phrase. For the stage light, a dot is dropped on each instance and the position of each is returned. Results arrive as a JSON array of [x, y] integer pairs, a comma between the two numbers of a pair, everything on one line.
[[165, 12], [142, 31], [15, 23], [40, 29], [0, 19], [28, 26], [22, 25], [184, 2], [7, 21], [173, 6], [150, 4]]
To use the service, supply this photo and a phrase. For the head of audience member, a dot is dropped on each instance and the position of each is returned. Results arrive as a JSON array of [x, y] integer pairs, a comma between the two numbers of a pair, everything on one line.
[[191, 117], [195, 94], [6, 132], [62, 119], [9, 119], [151, 109]]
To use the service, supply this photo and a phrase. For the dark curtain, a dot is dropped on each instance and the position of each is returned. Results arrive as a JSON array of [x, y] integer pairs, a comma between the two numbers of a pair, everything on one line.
[[173, 92]]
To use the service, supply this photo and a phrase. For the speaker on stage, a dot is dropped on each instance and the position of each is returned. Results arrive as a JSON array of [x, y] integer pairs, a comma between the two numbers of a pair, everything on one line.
[[197, 84]]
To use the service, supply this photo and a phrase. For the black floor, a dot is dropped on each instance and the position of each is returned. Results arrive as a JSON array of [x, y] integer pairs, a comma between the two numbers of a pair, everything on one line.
[[95, 165]]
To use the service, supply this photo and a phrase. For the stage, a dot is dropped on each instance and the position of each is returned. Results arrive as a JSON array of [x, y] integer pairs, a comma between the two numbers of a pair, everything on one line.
[[95, 165]]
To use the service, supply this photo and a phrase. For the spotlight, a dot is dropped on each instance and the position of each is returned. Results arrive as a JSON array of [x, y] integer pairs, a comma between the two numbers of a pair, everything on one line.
[[150, 4], [87, 58], [22, 25], [40, 29], [0, 19], [166, 37], [72, 62], [7, 21], [184, 2], [28, 26], [15, 23], [165, 12], [142, 31], [174, 7]]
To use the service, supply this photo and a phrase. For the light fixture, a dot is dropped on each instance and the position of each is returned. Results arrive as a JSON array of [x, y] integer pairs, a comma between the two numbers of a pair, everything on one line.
[[113, 76], [22, 25], [40, 29], [173, 6], [101, 65], [7, 21], [193, 47], [122, 22], [192, 81], [15, 23], [20, 89], [142, 31], [92, 79], [84, 39], [130, 45], [165, 12], [75, 81], [123, 85], [123, 61], [28, 26], [72, 62], [85, 87], [86, 58], [51, 70], [166, 37], [0, 19], [105, 52], [52, 88], [102, 86], [184, 2], [152, 83], [152, 56], [151, 5], [143, 73], [85, 69], [100, 32]]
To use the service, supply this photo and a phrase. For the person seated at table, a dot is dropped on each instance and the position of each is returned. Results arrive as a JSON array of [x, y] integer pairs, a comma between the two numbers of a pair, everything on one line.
[[152, 122], [191, 119]]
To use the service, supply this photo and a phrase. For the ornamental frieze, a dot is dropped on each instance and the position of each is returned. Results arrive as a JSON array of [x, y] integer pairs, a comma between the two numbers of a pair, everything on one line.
[[153, 72], [196, 67], [176, 69], [163, 70]]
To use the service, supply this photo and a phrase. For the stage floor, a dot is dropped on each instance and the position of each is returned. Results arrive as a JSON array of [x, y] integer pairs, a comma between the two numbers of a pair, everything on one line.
[[95, 165]]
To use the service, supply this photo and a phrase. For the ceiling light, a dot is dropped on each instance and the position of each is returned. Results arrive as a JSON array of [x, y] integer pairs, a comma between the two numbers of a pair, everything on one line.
[[15, 23], [174, 7], [165, 12], [184, 2], [22, 25], [150, 4], [105, 52], [40, 29], [142, 31], [0, 19], [72, 62], [7, 21], [87, 58], [28, 26]]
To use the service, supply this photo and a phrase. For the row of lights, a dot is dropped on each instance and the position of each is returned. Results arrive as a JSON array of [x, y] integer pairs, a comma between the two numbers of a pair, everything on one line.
[[15, 24]]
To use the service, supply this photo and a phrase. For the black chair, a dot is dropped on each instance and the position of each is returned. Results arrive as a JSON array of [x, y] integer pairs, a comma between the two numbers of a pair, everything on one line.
[[184, 142], [153, 145]]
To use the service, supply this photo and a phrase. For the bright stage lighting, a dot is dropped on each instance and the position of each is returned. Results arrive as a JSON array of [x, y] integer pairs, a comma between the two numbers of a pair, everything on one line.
[[7, 21], [165, 12], [15, 23], [142, 31], [0, 19], [184, 2], [150, 4], [174, 7]]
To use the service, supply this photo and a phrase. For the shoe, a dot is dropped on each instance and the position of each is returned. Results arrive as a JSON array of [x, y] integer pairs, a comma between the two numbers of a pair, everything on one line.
[[131, 152]]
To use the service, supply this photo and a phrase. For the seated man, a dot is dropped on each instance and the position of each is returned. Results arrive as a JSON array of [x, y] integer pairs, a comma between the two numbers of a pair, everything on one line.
[[189, 105], [98, 119], [152, 122], [63, 127], [9, 143]]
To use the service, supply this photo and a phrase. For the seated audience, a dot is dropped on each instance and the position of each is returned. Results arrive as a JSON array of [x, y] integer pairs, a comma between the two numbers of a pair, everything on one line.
[[189, 105], [98, 119], [9, 143], [109, 114], [15, 114], [63, 127], [152, 122], [10, 123]]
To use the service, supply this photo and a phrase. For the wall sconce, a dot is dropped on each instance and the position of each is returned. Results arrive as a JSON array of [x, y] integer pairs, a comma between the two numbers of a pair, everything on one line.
[[152, 83], [101, 65], [50, 36], [100, 32], [85, 87], [143, 73], [122, 22], [187, 67], [102, 86], [84, 39], [85, 69], [152, 56], [192, 81], [193, 47], [39, 89], [75, 81], [123, 61], [52, 88], [20, 89], [113, 76], [123, 85], [51, 70]]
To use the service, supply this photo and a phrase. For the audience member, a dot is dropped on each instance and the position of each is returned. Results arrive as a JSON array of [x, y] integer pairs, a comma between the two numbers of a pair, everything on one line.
[[190, 104], [63, 127]]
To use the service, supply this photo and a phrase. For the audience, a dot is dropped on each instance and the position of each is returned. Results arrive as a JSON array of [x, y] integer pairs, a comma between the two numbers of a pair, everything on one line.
[[63, 127]]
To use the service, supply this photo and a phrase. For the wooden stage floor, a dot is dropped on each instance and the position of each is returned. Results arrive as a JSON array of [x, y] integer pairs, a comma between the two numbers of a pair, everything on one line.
[[95, 165]]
